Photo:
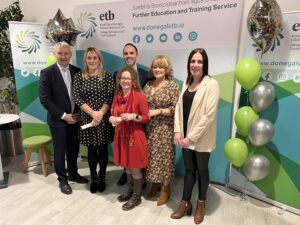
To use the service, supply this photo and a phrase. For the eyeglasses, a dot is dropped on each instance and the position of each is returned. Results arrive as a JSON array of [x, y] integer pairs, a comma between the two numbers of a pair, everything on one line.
[[125, 78]]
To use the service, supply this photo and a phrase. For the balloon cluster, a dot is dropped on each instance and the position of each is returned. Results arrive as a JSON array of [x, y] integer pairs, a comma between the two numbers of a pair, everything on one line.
[[264, 22], [256, 130]]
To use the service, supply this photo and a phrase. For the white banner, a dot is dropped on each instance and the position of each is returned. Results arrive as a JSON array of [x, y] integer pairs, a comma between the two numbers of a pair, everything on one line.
[[171, 28], [30, 49]]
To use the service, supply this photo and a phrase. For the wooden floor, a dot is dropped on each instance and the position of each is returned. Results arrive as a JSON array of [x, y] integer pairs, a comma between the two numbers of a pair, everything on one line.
[[32, 199]]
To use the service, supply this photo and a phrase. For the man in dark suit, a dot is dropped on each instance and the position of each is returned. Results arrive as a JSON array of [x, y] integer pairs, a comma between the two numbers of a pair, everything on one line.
[[55, 94], [130, 55]]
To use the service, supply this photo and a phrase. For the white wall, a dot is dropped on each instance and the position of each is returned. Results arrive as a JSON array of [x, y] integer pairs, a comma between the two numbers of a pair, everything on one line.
[[43, 10], [5, 3]]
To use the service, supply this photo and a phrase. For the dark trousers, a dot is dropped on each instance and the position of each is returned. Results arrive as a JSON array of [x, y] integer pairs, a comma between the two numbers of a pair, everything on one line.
[[196, 163], [66, 146], [98, 154]]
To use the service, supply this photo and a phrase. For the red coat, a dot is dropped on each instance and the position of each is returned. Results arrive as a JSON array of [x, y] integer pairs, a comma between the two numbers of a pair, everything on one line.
[[135, 155]]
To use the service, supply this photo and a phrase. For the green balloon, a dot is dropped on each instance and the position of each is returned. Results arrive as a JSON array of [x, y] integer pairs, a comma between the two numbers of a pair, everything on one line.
[[50, 60], [244, 117], [236, 151], [247, 72]]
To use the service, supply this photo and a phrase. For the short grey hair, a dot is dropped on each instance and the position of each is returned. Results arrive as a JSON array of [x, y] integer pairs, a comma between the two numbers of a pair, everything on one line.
[[61, 44]]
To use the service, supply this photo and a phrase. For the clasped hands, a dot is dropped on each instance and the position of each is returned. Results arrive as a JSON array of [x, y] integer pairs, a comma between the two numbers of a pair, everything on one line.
[[71, 118], [180, 141], [97, 117], [115, 120]]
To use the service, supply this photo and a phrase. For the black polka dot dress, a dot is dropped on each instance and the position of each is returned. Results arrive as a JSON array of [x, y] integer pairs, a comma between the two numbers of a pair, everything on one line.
[[95, 92]]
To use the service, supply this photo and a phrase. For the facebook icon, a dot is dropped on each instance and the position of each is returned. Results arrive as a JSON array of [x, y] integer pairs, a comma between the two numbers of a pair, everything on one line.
[[267, 75], [136, 39]]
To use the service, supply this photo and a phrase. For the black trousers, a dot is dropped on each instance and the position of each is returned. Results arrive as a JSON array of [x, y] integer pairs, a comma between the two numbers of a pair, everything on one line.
[[98, 154], [196, 163], [66, 147]]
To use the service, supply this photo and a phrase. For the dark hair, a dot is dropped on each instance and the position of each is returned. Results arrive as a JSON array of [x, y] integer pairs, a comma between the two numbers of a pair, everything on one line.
[[130, 44], [203, 53], [134, 76]]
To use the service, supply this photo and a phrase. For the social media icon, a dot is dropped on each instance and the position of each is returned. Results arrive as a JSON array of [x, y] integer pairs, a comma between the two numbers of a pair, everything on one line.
[[25, 73], [149, 38], [296, 77], [282, 77], [267, 75], [163, 38], [136, 39], [193, 36], [177, 37], [36, 72]]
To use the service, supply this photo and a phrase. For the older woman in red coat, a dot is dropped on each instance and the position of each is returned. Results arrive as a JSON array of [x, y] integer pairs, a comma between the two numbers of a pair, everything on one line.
[[129, 113]]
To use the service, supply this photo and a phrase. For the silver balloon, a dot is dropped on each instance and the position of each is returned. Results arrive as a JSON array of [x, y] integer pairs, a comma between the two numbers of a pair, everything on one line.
[[61, 29], [256, 167], [260, 132], [262, 96], [264, 22]]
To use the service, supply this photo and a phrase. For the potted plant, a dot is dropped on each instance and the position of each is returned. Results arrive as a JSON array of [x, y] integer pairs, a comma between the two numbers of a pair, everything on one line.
[[8, 96]]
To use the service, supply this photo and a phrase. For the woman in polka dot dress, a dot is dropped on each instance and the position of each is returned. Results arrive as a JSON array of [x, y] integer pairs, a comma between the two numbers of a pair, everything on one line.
[[93, 92]]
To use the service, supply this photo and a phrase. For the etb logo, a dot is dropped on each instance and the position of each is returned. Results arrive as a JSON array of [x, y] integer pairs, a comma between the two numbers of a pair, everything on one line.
[[296, 27], [107, 16]]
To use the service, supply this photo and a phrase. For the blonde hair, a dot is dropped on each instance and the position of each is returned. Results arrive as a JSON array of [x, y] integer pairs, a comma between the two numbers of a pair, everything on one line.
[[86, 72], [164, 62], [134, 77]]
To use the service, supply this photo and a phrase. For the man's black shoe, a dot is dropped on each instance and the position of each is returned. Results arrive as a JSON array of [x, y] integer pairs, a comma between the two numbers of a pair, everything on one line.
[[65, 188], [123, 179], [78, 179]]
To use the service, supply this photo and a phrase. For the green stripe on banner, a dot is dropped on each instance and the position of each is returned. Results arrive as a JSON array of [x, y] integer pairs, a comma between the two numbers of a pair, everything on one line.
[[28, 94], [286, 89], [279, 181], [226, 83]]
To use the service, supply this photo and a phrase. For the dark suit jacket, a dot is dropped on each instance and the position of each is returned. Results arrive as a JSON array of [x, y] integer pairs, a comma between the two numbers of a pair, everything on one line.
[[143, 76], [54, 95]]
